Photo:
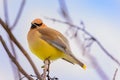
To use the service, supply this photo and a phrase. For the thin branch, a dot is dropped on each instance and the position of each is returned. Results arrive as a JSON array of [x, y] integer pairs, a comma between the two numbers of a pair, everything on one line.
[[89, 44], [6, 11], [5, 26], [46, 66], [12, 37], [83, 25], [107, 53], [16, 71], [63, 22], [33, 76], [90, 35], [14, 59], [19, 14], [115, 74], [6, 14], [64, 11], [98, 68]]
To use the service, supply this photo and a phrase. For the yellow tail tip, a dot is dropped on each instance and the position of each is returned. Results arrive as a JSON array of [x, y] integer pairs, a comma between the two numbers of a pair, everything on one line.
[[84, 67]]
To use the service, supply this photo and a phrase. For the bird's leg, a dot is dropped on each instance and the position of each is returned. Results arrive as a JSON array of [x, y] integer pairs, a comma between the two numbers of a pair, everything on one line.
[[46, 69]]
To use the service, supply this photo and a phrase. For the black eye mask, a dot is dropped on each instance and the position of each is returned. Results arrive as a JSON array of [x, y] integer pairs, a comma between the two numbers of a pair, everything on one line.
[[35, 25], [38, 24]]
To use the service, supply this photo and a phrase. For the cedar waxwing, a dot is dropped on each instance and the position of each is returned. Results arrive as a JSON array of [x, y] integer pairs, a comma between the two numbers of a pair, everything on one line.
[[47, 43]]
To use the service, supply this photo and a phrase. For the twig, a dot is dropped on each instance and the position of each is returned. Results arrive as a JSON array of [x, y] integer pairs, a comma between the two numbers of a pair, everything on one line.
[[6, 12], [11, 44], [89, 44], [64, 11], [115, 74], [5, 26], [63, 22], [46, 69], [19, 14], [16, 72], [107, 53], [14, 59], [98, 68], [30, 75]]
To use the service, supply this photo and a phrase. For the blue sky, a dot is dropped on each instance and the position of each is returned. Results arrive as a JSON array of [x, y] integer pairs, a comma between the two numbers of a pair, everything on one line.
[[101, 18]]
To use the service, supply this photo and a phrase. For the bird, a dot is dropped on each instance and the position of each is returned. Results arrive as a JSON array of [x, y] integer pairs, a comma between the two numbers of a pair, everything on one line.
[[48, 43]]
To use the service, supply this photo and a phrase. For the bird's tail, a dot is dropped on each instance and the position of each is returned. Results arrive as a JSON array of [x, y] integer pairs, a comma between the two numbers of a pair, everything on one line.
[[72, 59]]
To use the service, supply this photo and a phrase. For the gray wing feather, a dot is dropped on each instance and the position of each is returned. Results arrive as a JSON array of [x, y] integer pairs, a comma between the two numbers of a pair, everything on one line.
[[55, 39]]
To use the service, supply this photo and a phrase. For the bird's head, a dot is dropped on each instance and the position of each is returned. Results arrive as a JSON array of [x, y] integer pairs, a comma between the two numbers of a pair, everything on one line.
[[36, 23]]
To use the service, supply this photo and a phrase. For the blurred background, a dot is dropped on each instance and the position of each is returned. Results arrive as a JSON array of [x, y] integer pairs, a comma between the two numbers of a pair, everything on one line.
[[101, 18]]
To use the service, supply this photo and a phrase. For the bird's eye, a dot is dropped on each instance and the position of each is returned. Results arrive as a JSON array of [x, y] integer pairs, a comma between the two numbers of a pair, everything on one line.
[[36, 25], [33, 26]]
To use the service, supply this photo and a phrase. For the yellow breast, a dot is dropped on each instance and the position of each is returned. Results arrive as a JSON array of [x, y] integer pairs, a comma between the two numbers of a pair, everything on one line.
[[42, 49]]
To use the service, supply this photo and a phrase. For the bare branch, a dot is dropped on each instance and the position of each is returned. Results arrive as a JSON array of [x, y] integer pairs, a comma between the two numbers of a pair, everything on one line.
[[64, 11], [19, 14], [107, 53], [98, 68], [15, 70], [6, 11], [6, 14], [5, 26], [63, 22], [115, 74], [14, 59]]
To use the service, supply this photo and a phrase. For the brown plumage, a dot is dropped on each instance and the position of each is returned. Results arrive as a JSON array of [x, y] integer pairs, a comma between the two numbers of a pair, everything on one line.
[[53, 38]]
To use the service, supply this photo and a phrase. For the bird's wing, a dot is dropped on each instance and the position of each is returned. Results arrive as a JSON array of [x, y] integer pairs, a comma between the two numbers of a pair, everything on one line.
[[55, 38]]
